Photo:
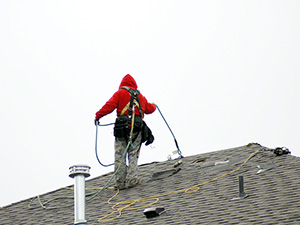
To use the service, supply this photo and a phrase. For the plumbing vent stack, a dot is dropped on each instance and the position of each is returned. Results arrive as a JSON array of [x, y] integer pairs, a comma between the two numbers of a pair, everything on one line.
[[242, 193], [79, 172]]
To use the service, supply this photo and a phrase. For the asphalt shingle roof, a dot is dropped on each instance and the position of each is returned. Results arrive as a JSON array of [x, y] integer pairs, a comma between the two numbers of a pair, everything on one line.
[[273, 193]]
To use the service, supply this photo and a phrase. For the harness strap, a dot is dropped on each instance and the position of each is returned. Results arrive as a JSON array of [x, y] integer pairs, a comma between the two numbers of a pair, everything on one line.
[[127, 106], [133, 100]]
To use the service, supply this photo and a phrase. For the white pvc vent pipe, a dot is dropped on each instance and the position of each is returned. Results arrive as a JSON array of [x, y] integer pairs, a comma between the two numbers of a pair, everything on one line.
[[79, 173]]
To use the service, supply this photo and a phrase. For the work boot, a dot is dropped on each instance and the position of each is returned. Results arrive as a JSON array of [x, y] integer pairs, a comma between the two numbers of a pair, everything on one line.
[[138, 182], [120, 186]]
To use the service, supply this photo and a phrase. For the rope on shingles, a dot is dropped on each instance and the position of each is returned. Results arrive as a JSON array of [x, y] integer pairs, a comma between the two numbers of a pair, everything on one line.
[[92, 195], [129, 203]]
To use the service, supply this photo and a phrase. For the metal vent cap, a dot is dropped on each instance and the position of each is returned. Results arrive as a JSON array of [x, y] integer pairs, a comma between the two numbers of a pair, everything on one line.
[[79, 169]]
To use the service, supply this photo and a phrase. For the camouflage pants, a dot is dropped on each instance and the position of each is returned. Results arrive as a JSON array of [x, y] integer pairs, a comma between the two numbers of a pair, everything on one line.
[[127, 175]]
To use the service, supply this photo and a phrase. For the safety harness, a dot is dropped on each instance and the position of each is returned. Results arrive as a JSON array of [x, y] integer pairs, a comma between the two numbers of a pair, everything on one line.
[[134, 100], [126, 125]]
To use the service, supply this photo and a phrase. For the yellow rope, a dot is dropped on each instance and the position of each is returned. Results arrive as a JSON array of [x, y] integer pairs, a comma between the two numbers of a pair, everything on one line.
[[98, 188], [155, 199]]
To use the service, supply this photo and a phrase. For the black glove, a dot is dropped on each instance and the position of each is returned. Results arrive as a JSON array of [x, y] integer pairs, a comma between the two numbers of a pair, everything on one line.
[[96, 122]]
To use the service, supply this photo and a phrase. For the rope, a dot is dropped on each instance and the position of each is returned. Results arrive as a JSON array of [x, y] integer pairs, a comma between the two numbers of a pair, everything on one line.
[[178, 149], [96, 141], [103, 125], [96, 146], [91, 195], [154, 199], [106, 186]]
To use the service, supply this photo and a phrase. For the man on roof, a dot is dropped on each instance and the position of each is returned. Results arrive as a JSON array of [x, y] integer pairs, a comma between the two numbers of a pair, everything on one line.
[[131, 107]]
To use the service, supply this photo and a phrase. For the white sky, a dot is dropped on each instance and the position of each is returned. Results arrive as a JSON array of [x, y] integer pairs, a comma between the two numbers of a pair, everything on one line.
[[223, 73]]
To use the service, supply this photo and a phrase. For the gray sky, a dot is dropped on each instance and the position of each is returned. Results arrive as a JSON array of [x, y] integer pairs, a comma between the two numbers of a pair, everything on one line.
[[223, 73]]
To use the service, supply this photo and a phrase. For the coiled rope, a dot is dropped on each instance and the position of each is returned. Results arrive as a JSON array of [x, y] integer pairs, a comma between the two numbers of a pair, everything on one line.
[[155, 198]]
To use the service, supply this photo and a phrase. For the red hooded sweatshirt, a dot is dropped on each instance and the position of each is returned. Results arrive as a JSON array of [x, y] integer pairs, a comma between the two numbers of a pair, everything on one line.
[[120, 99]]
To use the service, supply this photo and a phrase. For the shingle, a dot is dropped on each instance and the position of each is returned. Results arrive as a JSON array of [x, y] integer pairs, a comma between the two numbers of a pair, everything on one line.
[[273, 194]]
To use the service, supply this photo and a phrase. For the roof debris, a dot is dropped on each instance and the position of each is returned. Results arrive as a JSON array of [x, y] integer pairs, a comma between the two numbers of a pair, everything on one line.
[[281, 151], [221, 162], [265, 166], [199, 160], [154, 211], [165, 174]]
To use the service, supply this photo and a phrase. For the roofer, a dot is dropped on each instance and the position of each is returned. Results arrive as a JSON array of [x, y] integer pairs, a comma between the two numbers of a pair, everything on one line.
[[129, 104]]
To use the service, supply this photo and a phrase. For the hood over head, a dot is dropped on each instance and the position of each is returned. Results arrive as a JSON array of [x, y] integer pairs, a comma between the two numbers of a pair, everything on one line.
[[128, 81]]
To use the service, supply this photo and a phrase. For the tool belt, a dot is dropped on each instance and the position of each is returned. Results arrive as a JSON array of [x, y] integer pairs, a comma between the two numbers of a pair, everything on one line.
[[147, 134], [123, 125], [123, 122]]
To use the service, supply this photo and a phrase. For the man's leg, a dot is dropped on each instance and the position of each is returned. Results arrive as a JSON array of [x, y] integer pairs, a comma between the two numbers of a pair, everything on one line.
[[120, 162], [132, 173]]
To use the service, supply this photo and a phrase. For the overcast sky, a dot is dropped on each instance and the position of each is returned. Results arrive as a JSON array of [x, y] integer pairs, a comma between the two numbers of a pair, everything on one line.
[[223, 73]]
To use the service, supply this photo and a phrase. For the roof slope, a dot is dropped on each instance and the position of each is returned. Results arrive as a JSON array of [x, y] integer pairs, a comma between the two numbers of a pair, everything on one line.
[[273, 193]]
